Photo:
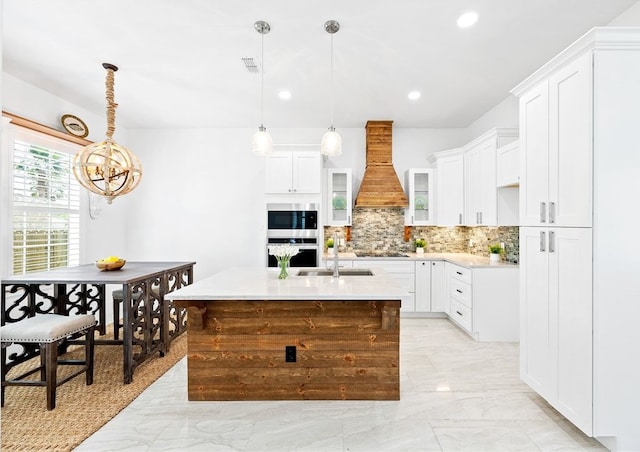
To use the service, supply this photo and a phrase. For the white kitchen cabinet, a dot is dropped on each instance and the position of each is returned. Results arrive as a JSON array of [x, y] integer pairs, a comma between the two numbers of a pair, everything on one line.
[[483, 301], [449, 187], [402, 271], [423, 286], [339, 197], [438, 286], [579, 117], [508, 183], [460, 297], [556, 150], [480, 177], [480, 185], [419, 189], [430, 286], [466, 184], [291, 172], [508, 164], [556, 322]]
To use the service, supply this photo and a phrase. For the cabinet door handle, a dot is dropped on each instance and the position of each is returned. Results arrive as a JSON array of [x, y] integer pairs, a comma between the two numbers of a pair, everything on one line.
[[543, 212], [552, 212], [552, 238], [459, 218], [458, 290], [433, 263], [349, 219], [411, 219], [480, 217], [542, 240], [460, 273], [459, 313]]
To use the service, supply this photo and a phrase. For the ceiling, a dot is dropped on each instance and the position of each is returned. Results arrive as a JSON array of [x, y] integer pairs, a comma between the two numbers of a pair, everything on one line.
[[181, 61]]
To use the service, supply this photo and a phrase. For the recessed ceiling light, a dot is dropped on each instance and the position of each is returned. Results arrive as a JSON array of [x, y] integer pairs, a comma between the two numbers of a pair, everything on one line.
[[413, 95], [467, 19], [284, 95]]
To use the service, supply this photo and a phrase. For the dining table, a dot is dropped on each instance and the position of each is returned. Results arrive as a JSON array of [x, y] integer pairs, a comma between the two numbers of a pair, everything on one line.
[[149, 321]]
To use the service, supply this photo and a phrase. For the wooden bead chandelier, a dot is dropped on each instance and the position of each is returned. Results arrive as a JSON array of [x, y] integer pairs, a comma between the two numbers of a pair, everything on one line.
[[106, 168]]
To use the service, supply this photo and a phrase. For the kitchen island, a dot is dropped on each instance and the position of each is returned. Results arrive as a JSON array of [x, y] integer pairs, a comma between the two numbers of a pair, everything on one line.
[[252, 336]]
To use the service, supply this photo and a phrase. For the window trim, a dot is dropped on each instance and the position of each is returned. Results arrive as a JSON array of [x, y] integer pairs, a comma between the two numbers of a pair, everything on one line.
[[36, 126]]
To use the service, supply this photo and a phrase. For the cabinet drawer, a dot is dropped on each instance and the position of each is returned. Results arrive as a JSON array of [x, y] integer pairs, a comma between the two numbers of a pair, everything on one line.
[[461, 314], [460, 292], [461, 274]]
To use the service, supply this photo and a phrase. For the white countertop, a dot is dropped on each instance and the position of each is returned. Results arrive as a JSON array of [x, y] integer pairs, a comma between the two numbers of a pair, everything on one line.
[[262, 283], [463, 259]]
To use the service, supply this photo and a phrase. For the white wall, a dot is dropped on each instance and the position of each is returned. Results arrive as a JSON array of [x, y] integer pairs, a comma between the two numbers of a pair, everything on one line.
[[202, 194], [630, 18], [504, 114]]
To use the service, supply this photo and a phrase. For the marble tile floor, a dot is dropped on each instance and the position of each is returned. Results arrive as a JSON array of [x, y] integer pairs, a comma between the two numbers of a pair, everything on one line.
[[456, 395]]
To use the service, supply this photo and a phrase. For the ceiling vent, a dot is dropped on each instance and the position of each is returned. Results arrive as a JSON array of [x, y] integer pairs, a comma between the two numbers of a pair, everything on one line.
[[251, 64]]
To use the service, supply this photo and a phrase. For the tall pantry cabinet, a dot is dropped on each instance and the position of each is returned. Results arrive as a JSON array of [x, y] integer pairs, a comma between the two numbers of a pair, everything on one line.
[[579, 216]]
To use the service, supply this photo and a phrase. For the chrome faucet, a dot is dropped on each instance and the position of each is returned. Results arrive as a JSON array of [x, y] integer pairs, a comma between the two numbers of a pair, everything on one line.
[[336, 272]]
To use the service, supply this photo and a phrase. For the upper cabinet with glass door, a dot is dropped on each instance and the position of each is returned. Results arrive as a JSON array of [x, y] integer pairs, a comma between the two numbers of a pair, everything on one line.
[[339, 197], [419, 188]]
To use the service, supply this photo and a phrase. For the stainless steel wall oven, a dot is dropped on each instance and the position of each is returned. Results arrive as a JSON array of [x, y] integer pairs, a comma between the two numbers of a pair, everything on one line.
[[295, 224]]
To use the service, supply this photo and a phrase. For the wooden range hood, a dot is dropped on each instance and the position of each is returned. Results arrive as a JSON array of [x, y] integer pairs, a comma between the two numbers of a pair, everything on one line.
[[380, 185]]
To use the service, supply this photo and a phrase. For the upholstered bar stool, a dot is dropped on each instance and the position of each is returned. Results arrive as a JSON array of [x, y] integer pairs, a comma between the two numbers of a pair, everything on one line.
[[49, 331]]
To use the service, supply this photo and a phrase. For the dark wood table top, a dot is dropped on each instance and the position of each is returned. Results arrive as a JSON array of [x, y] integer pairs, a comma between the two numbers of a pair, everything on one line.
[[90, 274]]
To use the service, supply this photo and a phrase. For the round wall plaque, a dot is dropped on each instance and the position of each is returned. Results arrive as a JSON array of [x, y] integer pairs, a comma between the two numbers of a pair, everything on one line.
[[74, 125]]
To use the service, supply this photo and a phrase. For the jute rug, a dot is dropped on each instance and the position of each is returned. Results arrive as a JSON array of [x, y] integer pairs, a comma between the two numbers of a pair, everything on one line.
[[26, 425]]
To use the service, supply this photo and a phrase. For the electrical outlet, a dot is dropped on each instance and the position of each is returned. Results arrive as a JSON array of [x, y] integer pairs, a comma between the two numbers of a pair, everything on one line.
[[290, 354]]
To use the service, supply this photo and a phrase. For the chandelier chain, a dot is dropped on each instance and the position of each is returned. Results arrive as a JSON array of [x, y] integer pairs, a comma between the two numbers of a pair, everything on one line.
[[111, 105]]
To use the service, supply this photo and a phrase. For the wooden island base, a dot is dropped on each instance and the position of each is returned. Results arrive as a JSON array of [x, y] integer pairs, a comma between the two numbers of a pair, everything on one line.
[[343, 350]]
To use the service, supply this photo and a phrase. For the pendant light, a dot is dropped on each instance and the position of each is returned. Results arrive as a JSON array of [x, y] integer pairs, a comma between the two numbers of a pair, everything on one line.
[[331, 142], [261, 142], [106, 168]]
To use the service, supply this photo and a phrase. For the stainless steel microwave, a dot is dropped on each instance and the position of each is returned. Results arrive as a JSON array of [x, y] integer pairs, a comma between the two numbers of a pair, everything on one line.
[[292, 217]]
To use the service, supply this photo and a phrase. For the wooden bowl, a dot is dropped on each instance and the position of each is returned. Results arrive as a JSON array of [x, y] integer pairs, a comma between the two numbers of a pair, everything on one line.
[[107, 266]]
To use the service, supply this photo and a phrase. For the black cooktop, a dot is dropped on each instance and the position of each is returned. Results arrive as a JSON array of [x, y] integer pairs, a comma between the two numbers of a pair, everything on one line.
[[379, 254]]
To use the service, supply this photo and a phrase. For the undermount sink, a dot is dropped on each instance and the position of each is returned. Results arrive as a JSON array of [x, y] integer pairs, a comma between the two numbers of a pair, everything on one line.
[[343, 272]]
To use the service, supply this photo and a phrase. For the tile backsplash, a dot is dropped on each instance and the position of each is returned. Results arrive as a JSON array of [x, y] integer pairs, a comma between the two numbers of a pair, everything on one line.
[[382, 229]]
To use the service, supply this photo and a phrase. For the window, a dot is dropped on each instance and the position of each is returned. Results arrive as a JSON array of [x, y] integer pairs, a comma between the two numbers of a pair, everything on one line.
[[45, 203]]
